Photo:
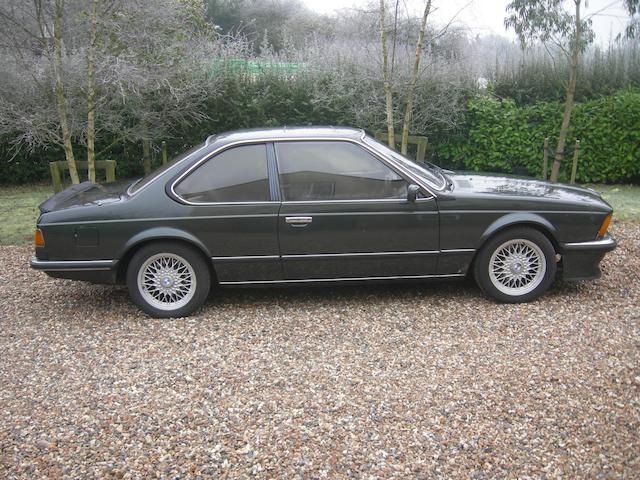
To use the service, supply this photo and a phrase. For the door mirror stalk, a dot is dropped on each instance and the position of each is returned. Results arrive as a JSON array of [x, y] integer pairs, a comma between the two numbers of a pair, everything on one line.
[[412, 192]]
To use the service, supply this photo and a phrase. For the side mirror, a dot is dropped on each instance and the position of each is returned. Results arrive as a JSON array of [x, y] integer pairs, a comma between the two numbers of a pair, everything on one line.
[[412, 192]]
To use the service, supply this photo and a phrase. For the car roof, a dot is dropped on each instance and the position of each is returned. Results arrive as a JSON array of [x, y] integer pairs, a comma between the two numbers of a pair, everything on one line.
[[286, 133]]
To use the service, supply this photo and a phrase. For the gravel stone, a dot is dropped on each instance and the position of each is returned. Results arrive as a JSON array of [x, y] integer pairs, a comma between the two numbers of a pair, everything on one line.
[[396, 381]]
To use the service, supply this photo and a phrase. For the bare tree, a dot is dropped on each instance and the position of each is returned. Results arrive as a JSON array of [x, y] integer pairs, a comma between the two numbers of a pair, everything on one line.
[[386, 77], [34, 34], [60, 97], [147, 79], [394, 76], [91, 93], [548, 21], [408, 109]]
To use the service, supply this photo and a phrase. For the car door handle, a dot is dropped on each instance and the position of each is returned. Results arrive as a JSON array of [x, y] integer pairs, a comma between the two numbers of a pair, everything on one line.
[[298, 221]]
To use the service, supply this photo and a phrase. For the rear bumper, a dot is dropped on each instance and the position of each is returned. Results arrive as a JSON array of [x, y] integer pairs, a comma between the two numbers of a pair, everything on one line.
[[95, 271], [581, 260]]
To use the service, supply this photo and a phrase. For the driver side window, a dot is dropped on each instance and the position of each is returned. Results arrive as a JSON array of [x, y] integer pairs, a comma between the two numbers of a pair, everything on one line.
[[330, 170]]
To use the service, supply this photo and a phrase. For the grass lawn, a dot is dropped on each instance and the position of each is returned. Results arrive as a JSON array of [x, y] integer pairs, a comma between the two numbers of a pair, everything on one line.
[[19, 208], [19, 212], [625, 200]]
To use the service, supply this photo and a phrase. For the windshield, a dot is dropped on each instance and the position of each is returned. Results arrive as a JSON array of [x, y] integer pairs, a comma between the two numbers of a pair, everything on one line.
[[147, 179], [428, 172]]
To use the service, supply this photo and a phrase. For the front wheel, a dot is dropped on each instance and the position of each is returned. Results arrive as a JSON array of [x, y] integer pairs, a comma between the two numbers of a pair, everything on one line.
[[517, 265], [167, 279]]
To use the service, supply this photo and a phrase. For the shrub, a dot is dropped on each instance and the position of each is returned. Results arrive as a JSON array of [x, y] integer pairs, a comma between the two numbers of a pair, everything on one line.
[[500, 136]]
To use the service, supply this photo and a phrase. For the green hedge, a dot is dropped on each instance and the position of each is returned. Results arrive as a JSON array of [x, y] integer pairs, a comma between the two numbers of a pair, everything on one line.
[[495, 135], [499, 136], [245, 102]]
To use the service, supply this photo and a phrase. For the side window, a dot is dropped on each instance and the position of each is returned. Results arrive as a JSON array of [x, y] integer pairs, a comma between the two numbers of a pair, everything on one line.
[[238, 174], [335, 171]]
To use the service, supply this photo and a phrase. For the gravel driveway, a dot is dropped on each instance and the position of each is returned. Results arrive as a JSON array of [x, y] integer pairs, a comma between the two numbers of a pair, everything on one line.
[[420, 381]]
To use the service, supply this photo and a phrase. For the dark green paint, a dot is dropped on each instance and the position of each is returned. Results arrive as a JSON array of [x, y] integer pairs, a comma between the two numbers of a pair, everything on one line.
[[394, 238]]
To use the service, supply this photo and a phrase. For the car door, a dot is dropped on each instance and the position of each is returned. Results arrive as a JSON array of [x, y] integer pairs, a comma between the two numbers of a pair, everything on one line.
[[233, 210], [345, 214]]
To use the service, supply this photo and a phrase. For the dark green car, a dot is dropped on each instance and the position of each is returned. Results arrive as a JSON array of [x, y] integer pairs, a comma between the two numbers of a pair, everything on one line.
[[317, 204]]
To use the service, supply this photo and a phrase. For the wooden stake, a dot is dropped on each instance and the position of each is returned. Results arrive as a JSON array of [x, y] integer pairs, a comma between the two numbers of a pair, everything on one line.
[[164, 152], [146, 155], [574, 168], [545, 158]]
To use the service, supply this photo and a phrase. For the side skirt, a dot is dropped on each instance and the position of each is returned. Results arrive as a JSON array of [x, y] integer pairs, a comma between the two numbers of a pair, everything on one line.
[[340, 280]]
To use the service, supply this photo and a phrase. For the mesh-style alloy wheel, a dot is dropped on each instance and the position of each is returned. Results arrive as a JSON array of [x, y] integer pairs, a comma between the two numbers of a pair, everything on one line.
[[517, 265], [168, 279]]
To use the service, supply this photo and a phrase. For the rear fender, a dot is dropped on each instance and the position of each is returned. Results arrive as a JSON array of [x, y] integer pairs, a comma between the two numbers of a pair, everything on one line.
[[163, 233]]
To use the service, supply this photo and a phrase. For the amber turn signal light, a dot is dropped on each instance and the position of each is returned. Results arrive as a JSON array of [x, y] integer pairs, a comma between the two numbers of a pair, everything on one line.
[[604, 226], [38, 238]]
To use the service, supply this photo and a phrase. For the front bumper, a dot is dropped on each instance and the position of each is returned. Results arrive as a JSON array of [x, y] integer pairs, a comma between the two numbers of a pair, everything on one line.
[[605, 244], [581, 260], [95, 271]]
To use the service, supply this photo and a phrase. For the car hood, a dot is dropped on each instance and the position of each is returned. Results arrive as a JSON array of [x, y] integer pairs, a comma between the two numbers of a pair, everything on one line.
[[481, 184], [86, 193]]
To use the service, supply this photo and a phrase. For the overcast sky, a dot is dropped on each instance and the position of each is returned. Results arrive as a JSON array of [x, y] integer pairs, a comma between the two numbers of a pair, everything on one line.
[[487, 16]]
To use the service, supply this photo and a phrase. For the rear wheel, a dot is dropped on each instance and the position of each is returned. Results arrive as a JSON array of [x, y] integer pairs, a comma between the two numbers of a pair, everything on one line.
[[517, 265], [167, 279]]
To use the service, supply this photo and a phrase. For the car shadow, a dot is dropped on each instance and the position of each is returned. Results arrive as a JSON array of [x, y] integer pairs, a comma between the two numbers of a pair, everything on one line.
[[462, 292], [340, 292]]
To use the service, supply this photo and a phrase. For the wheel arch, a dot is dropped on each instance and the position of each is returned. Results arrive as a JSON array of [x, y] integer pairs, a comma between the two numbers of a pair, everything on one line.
[[516, 220], [520, 219], [160, 234], [505, 224]]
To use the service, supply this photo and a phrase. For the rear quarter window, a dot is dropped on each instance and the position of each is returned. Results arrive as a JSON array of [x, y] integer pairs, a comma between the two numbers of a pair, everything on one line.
[[238, 174]]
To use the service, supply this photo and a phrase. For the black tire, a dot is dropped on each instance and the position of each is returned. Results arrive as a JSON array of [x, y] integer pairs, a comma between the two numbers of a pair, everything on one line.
[[536, 271], [187, 277]]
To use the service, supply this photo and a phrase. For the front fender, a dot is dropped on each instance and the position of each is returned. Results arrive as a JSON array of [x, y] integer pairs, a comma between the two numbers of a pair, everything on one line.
[[517, 219]]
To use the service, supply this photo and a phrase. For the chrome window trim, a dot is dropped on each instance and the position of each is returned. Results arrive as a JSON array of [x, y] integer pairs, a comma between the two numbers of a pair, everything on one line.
[[270, 202], [403, 168], [398, 201], [212, 154], [388, 162], [343, 279], [155, 178]]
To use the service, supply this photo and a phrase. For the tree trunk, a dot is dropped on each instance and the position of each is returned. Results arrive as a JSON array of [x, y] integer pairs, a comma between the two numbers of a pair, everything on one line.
[[59, 89], [386, 78], [395, 39], [568, 104], [91, 94], [408, 110]]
